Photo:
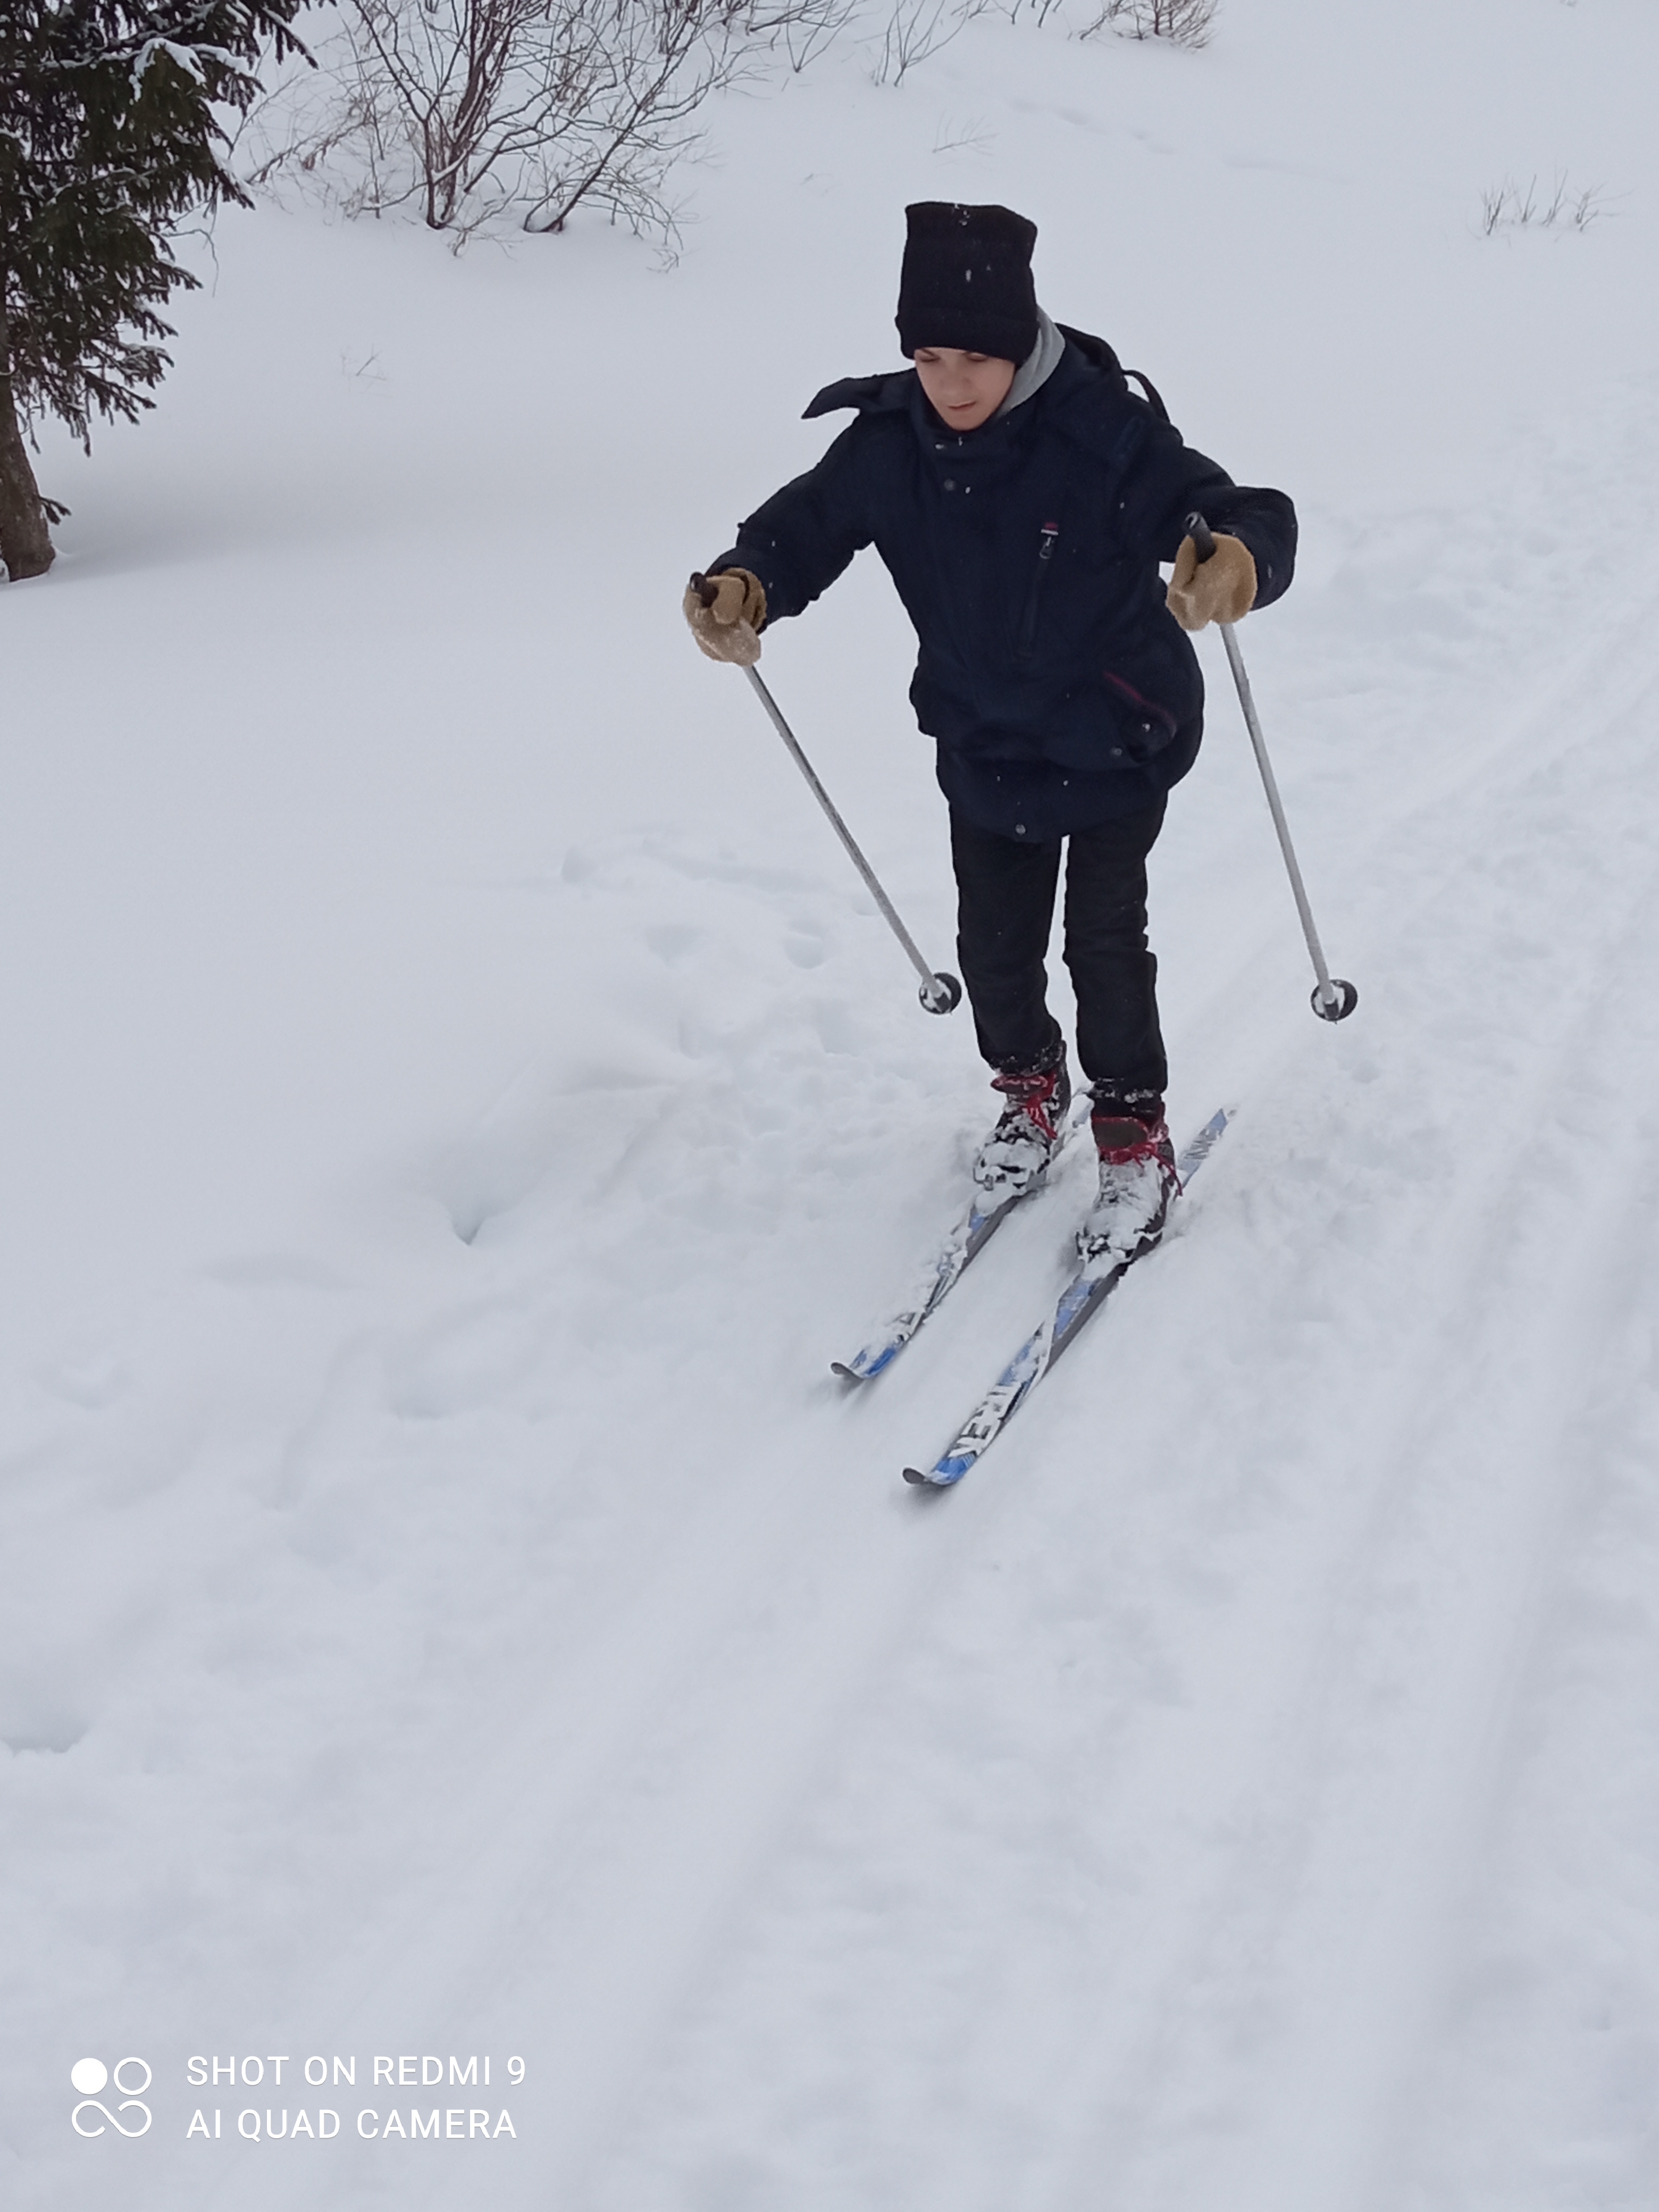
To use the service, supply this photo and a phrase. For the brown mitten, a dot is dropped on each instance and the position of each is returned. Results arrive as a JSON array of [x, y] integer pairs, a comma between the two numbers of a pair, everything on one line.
[[1220, 589], [725, 613]]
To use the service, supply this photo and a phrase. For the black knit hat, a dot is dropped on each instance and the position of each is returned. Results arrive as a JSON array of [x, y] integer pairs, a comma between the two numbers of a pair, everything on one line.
[[967, 280]]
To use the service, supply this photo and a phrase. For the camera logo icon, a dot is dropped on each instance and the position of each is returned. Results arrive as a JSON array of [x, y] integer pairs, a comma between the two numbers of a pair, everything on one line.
[[89, 2077]]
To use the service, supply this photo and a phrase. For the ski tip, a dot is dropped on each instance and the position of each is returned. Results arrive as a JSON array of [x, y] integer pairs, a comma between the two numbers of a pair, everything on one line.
[[866, 1366], [1206, 1141], [939, 1476]]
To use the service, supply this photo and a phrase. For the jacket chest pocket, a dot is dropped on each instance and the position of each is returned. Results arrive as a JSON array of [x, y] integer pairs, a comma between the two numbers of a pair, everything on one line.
[[1043, 562]]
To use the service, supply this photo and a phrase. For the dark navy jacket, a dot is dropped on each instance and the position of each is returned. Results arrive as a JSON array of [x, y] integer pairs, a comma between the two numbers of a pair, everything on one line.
[[1059, 687]]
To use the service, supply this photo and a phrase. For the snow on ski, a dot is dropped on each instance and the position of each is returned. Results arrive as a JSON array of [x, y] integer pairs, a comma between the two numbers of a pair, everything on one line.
[[1087, 1292], [972, 1232]]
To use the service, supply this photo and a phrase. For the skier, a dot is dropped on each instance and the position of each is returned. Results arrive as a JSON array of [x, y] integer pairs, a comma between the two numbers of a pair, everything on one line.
[[1022, 497]]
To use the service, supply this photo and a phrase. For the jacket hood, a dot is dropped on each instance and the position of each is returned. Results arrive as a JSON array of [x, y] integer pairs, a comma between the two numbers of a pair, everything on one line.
[[1038, 365]]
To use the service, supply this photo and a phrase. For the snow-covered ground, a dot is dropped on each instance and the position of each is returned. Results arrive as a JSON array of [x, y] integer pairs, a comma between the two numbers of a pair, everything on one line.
[[458, 1100]]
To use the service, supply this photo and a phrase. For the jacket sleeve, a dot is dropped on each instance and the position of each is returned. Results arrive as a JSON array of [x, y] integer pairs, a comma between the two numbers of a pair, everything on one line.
[[1169, 480], [805, 535]]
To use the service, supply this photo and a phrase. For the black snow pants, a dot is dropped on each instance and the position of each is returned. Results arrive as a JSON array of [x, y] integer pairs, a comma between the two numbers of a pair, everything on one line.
[[1006, 890]]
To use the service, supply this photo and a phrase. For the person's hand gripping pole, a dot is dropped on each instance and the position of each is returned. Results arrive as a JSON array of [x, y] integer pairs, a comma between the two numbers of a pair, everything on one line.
[[940, 992]]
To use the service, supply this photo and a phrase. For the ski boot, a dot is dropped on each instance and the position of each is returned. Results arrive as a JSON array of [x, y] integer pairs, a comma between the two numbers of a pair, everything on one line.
[[1137, 1178], [1014, 1158]]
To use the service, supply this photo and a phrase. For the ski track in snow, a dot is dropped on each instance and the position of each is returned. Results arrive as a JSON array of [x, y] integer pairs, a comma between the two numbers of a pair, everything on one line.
[[1317, 1789], [449, 1606]]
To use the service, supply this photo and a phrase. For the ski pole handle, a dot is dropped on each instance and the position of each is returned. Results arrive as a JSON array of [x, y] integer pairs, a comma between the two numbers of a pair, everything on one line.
[[706, 588], [1197, 530]]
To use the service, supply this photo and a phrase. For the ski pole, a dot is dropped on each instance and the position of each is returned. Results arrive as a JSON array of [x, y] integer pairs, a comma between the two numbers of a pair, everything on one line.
[[940, 992], [1333, 1000]]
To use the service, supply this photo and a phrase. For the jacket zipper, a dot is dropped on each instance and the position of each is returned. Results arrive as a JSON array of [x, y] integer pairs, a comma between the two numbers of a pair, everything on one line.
[[1047, 538]]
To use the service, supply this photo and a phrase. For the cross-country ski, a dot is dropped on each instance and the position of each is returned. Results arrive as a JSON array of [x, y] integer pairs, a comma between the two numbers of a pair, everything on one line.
[[1083, 1296], [968, 1236]]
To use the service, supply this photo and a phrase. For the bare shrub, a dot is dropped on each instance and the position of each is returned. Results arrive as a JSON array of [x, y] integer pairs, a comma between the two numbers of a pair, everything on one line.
[[1509, 206], [466, 109], [1183, 23], [974, 135], [810, 32], [917, 28]]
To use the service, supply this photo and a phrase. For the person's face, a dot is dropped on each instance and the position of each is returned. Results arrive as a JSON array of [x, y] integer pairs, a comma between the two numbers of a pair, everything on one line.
[[963, 389]]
